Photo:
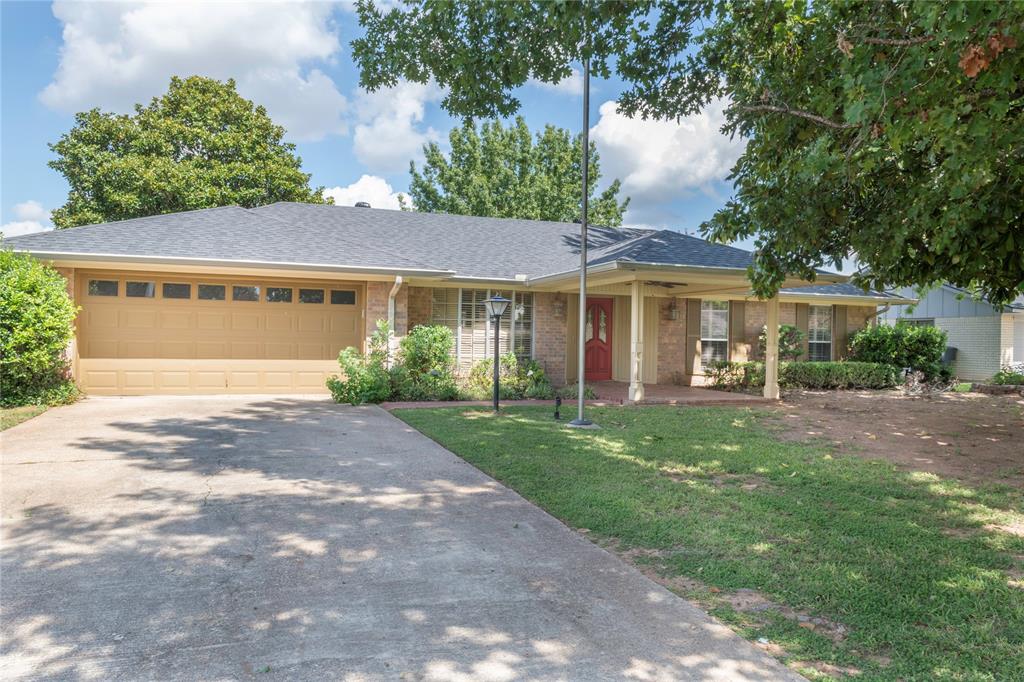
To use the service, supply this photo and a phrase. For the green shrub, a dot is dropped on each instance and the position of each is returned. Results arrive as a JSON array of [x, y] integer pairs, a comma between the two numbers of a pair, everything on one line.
[[364, 378], [821, 375], [1011, 375], [902, 345], [517, 380], [791, 342], [425, 368], [572, 392], [36, 324]]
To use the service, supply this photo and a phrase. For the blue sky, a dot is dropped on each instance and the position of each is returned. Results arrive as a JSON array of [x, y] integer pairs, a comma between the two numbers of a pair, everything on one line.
[[295, 59]]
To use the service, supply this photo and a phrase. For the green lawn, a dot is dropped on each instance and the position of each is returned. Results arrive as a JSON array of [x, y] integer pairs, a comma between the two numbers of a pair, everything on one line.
[[905, 570], [12, 416]]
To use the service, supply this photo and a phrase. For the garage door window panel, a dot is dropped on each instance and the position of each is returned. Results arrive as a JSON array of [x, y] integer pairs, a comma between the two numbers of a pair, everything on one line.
[[279, 295], [140, 289], [212, 292], [311, 295], [343, 297], [177, 290], [245, 293], [103, 287]]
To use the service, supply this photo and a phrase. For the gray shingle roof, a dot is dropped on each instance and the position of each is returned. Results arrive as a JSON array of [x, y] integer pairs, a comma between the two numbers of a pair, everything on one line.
[[340, 236], [842, 289]]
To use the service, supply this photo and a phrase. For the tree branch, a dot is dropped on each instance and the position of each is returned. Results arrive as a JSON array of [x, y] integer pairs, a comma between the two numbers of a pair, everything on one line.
[[820, 120], [899, 42]]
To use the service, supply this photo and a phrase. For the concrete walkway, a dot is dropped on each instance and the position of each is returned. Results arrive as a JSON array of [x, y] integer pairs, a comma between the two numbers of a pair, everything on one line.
[[217, 538]]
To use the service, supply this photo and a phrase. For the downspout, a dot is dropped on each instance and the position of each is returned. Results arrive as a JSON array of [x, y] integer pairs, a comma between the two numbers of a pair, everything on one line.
[[871, 318], [391, 317]]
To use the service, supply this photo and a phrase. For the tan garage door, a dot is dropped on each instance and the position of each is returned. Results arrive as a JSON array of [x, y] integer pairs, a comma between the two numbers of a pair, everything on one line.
[[141, 334]]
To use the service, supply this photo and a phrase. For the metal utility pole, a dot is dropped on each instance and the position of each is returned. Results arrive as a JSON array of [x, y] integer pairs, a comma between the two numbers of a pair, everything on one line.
[[580, 420]]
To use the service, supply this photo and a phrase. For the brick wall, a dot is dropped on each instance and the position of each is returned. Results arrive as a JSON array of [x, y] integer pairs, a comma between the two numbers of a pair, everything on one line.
[[549, 333], [858, 317], [376, 306], [419, 302], [671, 342], [755, 314]]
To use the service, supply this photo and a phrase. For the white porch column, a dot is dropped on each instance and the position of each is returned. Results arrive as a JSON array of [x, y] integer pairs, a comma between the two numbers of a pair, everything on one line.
[[771, 359], [636, 337]]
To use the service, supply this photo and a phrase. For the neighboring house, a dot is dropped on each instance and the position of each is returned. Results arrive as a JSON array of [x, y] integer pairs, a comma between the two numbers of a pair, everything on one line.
[[262, 300], [986, 337]]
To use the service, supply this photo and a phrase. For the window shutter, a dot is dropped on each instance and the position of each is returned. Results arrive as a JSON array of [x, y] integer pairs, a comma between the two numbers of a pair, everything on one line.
[[692, 350], [738, 346], [802, 311], [839, 335]]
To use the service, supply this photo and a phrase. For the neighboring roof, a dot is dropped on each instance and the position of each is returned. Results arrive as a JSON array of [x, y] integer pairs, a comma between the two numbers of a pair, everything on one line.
[[340, 237], [843, 289], [1014, 306]]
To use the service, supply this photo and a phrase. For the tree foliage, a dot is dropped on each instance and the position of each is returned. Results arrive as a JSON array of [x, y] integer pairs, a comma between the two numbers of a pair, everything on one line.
[[510, 173], [36, 324], [891, 131], [200, 145]]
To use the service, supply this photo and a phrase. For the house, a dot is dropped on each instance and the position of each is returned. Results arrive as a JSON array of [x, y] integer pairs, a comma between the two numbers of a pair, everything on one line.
[[262, 300], [986, 337]]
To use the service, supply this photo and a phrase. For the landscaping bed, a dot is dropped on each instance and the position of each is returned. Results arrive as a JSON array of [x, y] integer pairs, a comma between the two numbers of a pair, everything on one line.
[[839, 565]]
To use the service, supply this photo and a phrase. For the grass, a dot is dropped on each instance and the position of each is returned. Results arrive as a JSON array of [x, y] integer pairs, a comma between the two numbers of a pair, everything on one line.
[[963, 387], [912, 567], [12, 416]]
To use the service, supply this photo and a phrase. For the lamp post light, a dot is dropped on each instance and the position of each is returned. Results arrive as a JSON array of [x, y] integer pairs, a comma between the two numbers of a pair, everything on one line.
[[496, 307]]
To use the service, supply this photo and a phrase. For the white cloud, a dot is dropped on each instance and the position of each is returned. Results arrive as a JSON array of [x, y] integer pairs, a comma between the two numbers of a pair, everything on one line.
[[659, 161], [573, 85], [369, 188], [31, 217], [390, 131], [117, 54]]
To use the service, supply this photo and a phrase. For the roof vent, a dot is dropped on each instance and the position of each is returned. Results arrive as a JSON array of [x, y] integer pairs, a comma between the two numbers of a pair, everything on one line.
[[363, 204]]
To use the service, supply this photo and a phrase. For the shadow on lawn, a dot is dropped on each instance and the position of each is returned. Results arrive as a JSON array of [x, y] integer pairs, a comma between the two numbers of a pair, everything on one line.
[[229, 545], [915, 566]]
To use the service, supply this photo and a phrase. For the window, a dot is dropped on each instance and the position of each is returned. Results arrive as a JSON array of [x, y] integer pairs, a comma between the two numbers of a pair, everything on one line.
[[311, 295], [819, 333], [920, 322], [245, 293], [211, 292], [103, 287], [140, 289], [343, 297], [463, 310], [174, 290], [522, 325], [279, 295], [444, 308], [714, 331]]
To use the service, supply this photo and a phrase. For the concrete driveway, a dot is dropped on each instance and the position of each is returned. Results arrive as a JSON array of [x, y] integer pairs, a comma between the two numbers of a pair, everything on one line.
[[215, 538]]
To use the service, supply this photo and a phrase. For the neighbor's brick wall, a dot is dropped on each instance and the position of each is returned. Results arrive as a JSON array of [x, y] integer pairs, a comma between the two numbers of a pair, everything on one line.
[[419, 303], [550, 312], [671, 342]]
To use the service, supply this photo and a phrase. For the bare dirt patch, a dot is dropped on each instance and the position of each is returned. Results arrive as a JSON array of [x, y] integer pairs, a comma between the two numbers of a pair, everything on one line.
[[968, 436]]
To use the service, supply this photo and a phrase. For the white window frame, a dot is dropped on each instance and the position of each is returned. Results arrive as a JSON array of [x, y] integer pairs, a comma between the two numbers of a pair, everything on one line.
[[510, 340], [816, 335], [707, 309]]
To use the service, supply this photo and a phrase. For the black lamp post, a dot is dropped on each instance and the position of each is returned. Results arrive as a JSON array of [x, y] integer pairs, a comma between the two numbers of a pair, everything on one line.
[[496, 307]]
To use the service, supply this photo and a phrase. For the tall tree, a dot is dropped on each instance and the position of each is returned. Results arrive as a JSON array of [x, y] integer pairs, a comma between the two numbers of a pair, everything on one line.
[[510, 173], [893, 131], [198, 146]]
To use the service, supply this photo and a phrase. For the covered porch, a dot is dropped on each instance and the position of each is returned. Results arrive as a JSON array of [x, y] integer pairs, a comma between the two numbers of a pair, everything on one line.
[[618, 392]]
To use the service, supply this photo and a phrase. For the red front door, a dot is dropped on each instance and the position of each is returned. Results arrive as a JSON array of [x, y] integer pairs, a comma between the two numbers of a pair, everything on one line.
[[598, 335]]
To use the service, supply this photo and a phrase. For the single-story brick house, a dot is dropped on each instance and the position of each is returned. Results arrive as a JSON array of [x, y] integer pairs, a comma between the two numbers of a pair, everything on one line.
[[235, 300]]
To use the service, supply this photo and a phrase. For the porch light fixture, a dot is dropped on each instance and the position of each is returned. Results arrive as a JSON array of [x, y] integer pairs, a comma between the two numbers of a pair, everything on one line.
[[496, 307]]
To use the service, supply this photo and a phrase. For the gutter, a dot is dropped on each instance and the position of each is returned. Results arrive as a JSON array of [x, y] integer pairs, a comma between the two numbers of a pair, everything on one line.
[[265, 265], [829, 278], [391, 315]]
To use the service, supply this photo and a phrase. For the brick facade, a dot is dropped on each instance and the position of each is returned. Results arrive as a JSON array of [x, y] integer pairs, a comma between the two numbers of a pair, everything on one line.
[[671, 341], [549, 334], [420, 300], [376, 306]]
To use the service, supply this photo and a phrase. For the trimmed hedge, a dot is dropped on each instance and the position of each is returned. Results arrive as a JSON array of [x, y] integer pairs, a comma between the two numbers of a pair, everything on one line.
[[902, 345], [822, 375]]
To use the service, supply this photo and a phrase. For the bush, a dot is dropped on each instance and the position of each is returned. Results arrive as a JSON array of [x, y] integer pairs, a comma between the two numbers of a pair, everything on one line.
[[734, 376], [1010, 375], [517, 380], [364, 378], [572, 392], [36, 324], [902, 345], [791, 342], [423, 371], [425, 368]]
